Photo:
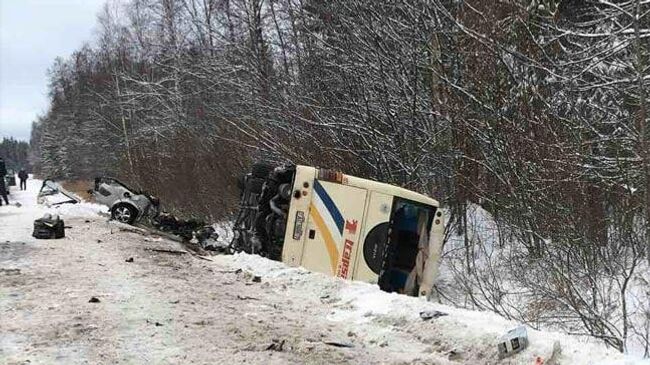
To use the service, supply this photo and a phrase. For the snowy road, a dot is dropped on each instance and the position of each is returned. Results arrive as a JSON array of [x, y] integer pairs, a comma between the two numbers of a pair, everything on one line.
[[167, 308]]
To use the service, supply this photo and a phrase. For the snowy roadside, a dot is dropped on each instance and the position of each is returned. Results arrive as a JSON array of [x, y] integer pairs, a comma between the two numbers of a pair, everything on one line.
[[391, 320], [172, 308]]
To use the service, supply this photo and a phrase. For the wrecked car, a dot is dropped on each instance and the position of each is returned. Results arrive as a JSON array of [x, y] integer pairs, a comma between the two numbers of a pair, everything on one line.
[[341, 225], [130, 206], [125, 204]]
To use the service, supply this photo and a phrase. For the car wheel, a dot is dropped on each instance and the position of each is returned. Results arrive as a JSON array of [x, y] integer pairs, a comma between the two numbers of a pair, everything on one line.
[[124, 213]]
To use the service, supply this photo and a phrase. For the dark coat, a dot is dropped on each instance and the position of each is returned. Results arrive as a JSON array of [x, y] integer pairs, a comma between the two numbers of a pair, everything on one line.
[[3, 169], [22, 175]]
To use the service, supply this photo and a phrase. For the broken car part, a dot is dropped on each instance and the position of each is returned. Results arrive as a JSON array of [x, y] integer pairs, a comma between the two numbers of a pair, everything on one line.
[[49, 227], [514, 341], [52, 193]]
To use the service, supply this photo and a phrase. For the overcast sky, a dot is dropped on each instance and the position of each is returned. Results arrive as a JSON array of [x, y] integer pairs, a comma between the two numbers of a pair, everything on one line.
[[32, 34]]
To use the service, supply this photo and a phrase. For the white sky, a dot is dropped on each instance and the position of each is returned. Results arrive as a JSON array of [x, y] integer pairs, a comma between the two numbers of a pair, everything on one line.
[[32, 34]]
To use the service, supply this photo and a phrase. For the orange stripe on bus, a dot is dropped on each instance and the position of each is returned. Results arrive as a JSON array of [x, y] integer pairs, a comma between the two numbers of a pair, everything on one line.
[[327, 236]]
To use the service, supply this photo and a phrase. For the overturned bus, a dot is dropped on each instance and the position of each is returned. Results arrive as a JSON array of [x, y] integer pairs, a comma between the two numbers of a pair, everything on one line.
[[341, 225]]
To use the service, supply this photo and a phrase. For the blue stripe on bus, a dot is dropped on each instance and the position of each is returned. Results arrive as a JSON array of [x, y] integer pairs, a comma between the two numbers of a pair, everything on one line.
[[329, 204]]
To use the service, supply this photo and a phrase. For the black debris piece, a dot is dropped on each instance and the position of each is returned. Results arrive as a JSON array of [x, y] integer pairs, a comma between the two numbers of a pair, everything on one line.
[[94, 300], [240, 297], [427, 315], [49, 227], [185, 229], [339, 344], [276, 345]]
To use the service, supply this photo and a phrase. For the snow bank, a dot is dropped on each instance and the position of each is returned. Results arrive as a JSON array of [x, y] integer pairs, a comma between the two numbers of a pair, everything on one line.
[[493, 283], [386, 318], [83, 209]]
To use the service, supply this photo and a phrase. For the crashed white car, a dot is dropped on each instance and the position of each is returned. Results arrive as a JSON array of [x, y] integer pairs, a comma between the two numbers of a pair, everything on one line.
[[125, 204]]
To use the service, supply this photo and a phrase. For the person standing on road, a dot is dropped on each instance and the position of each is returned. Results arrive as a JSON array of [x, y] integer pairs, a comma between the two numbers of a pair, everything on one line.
[[3, 188], [22, 175]]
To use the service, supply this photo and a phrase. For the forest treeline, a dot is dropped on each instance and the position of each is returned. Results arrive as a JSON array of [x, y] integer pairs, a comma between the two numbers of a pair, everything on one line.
[[535, 110], [15, 154]]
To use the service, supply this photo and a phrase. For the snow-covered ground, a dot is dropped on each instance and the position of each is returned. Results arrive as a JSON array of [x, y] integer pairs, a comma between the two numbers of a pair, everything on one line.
[[176, 308], [497, 283]]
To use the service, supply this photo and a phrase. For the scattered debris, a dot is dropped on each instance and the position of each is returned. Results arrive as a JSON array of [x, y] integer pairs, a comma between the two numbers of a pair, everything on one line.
[[10, 272], [173, 252], [130, 259], [94, 300], [241, 297], [133, 229], [257, 279], [157, 324], [514, 341], [215, 245], [339, 344], [427, 315], [276, 345], [185, 229], [453, 355]]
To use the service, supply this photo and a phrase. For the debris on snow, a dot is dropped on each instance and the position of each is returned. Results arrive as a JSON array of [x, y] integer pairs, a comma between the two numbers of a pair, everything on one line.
[[339, 344], [513, 342], [276, 345], [427, 315]]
